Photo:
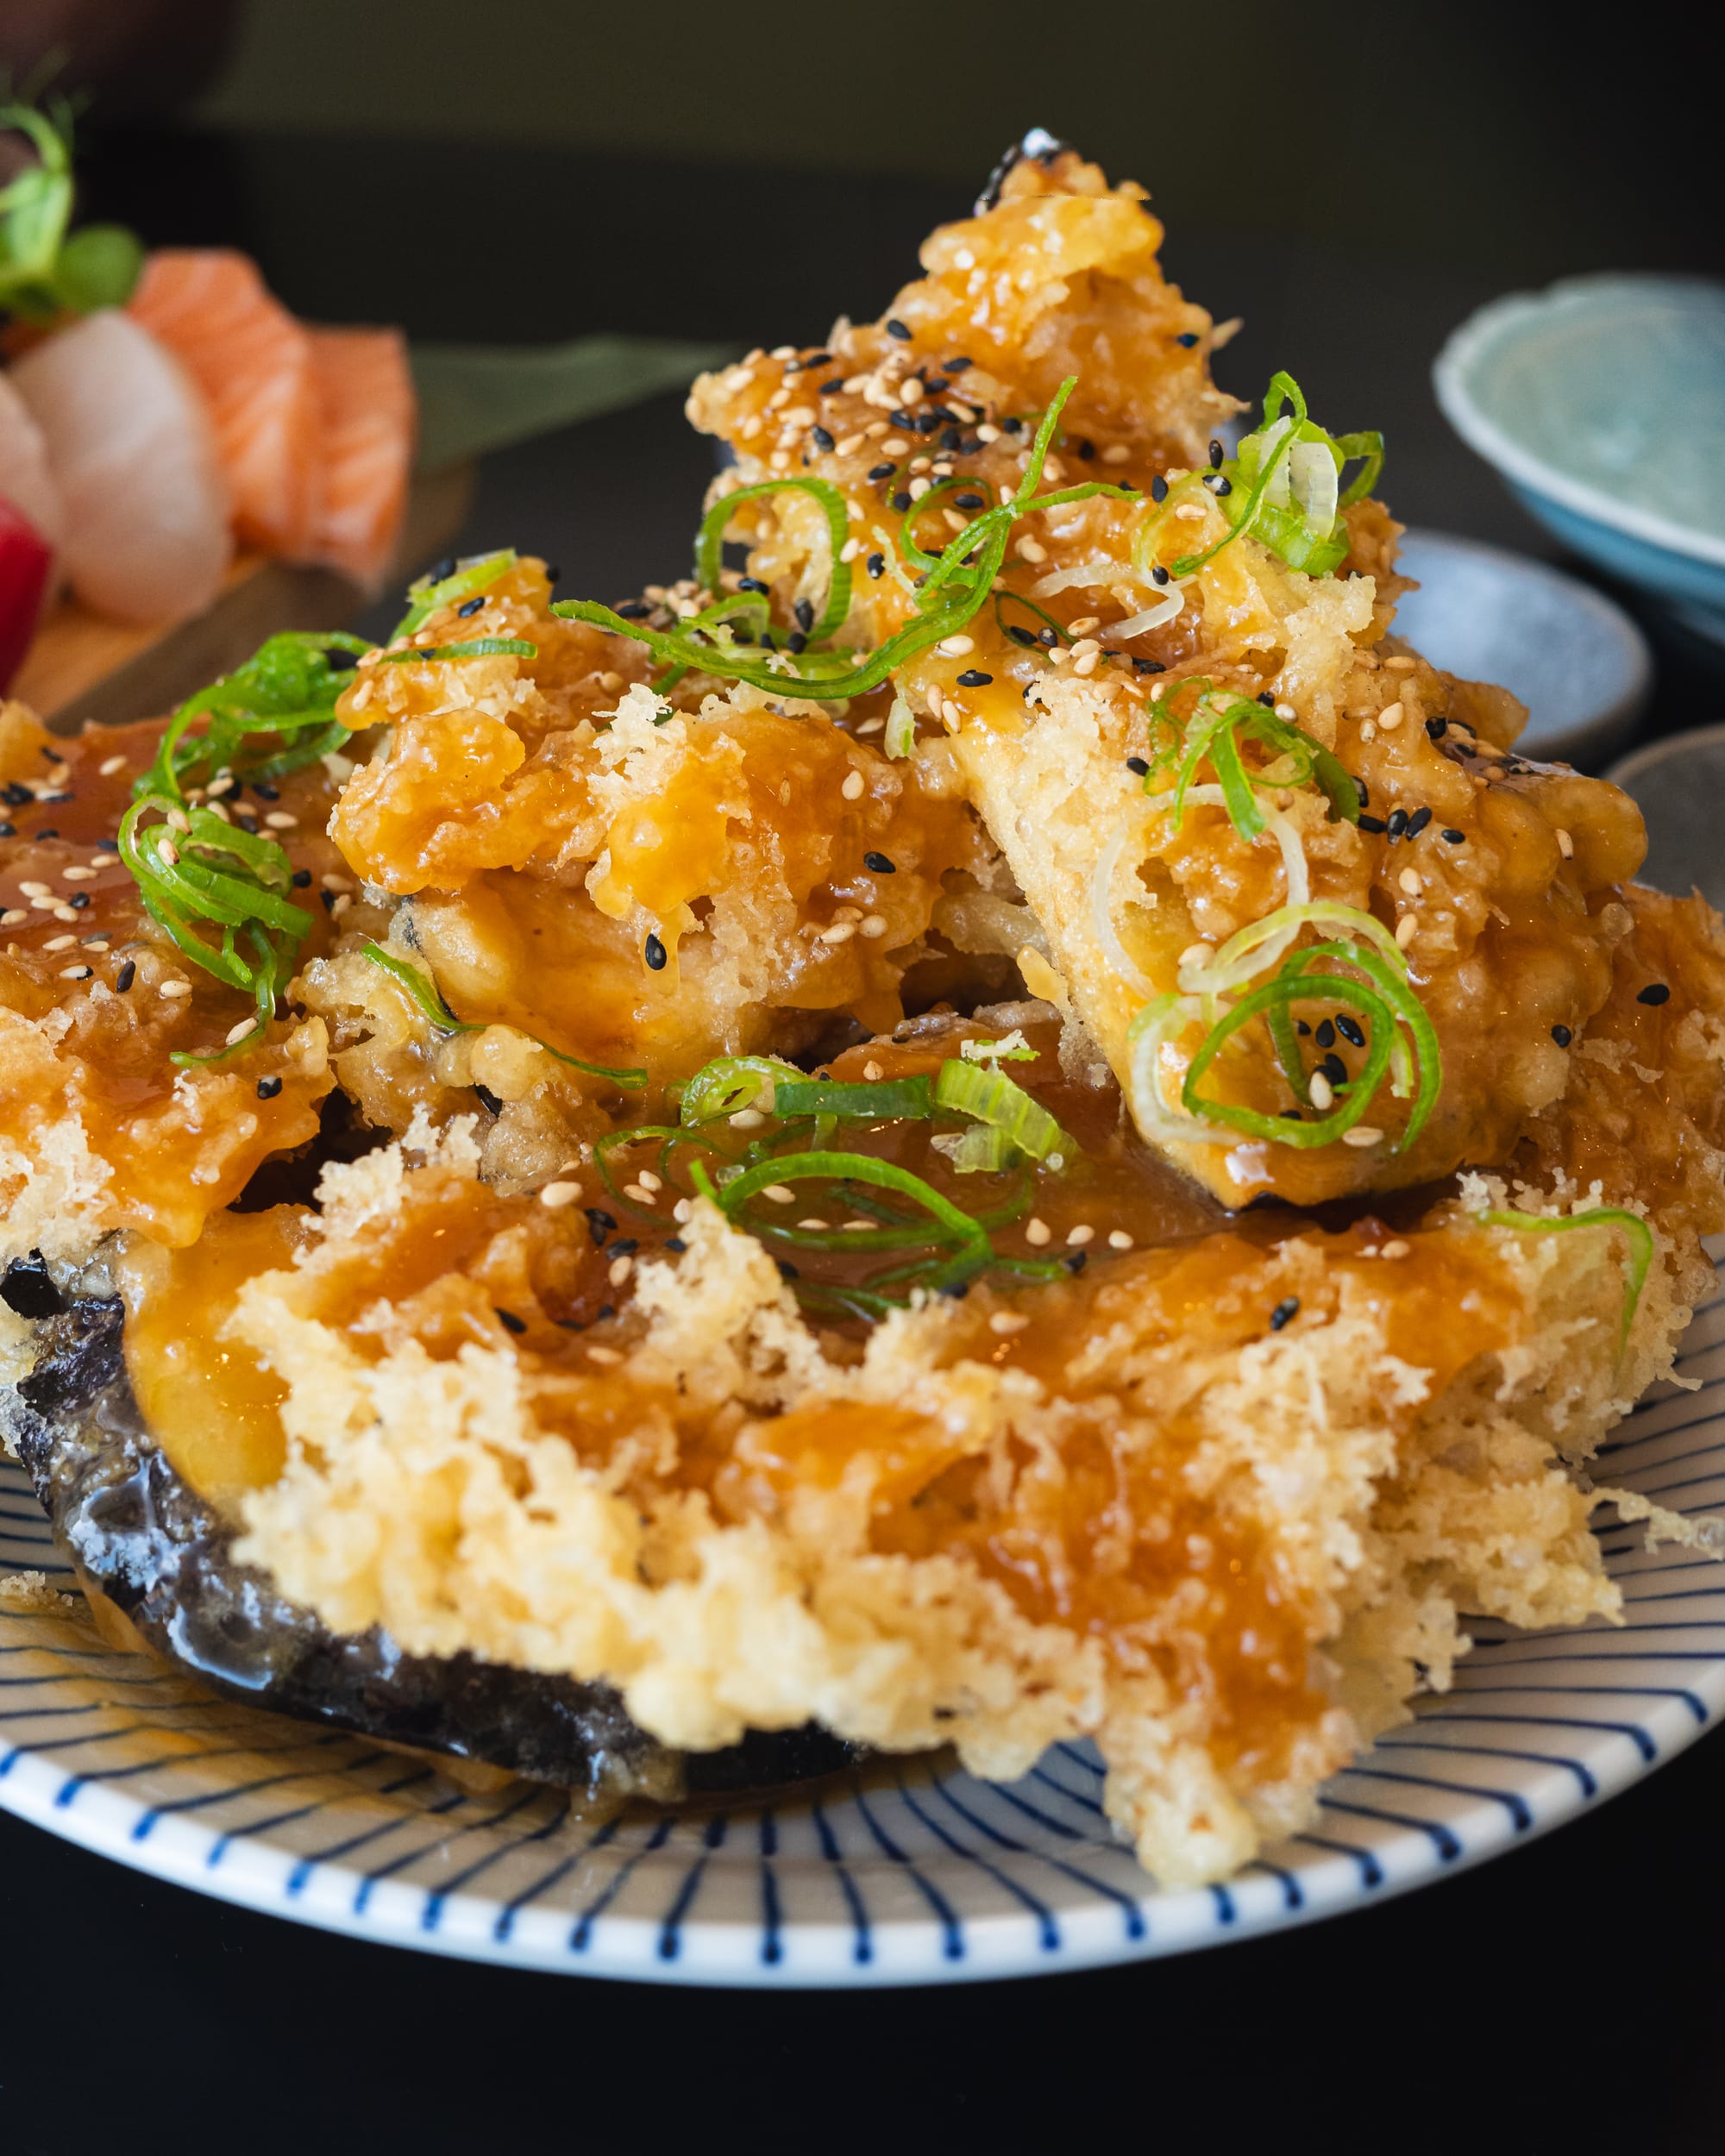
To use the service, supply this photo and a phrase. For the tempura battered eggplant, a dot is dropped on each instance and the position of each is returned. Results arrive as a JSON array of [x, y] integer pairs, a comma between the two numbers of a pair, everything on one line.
[[164, 1557]]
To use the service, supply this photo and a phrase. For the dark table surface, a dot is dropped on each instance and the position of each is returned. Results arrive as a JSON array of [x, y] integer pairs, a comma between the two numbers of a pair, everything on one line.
[[1573, 1992]]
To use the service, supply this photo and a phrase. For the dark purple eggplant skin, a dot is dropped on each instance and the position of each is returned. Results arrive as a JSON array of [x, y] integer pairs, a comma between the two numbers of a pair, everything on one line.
[[163, 1556]]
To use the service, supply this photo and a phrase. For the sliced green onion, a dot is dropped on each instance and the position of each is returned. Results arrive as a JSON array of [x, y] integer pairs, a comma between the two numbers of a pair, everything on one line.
[[476, 575], [898, 1100], [732, 1082], [612, 1140], [993, 1098], [787, 1168], [1214, 732], [1636, 1233], [984, 1149], [287, 688], [900, 735], [476, 648], [1274, 996], [907, 546], [424, 994], [1246, 954], [710, 544]]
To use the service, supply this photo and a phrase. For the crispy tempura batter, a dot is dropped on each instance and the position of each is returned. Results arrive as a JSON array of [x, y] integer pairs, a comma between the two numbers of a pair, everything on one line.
[[1217, 1489]]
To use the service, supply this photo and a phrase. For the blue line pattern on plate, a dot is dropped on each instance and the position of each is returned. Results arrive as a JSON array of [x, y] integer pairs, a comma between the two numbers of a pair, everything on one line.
[[910, 1871]]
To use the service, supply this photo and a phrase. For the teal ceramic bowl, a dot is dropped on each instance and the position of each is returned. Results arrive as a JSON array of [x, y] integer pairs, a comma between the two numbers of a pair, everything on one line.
[[1601, 403]]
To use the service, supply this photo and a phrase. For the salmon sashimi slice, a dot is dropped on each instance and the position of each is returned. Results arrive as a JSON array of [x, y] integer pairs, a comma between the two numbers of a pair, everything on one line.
[[253, 362], [365, 402]]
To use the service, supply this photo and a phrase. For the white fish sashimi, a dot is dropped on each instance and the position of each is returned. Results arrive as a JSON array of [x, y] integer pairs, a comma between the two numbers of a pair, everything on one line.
[[25, 479], [146, 527]]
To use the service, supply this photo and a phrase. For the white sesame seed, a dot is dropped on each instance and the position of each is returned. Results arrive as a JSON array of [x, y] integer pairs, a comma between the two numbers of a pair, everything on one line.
[[104, 860], [172, 989], [1117, 453], [65, 913], [872, 926], [1007, 1322], [1409, 881], [339, 906], [1038, 1232], [1399, 665], [1362, 1134], [871, 726], [956, 647], [872, 1073], [814, 1224], [556, 1196], [179, 820], [14, 917], [605, 1355], [1033, 552], [1190, 513], [682, 1209], [852, 788], [169, 852], [1087, 664], [1119, 1239], [649, 1181], [237, 1033], [840, 932], [45, 902], [918, 487], [362, 695], [847, 447], [75, 874], [111, 766], [1052, 469], [619, 1270], [856, 1228], [35, 889], [74, 973], [1286, 710], [59, 942], [1407, 929], [746, 1119], [1078, 1236], [1390, 718], [1565, 845], [330, 882], [851, 549], [987, 433], [1082, 627], [1323, 1093], [639, 1192], [1086, 646], [780, 1194], [1397, 1249]]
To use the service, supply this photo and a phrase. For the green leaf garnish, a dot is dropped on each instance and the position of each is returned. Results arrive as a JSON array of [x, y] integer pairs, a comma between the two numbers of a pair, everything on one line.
[[1637, 1260], [43, 274], [424, 993]]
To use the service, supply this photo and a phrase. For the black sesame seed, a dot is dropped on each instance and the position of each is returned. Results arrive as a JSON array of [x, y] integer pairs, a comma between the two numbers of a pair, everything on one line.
[[1350, 1029], [1025, 637], [553, 573], [1011, 426], [817, 358], [1087, 449], [632, 610], [1158, 574], [1373, 824], [1455, 838], [1418, 821], [301, 879], [1158, 489], [1188, 337], [473, 606], [605, 1310], [968, 501], [1148, 666], [8, 830], [600, 1225], [897, 328], [328, 898], [955, 366], [1398, 822], [804, 611], [974, 678], [511, 1323], [127, 974], [265, 791], [832, 388], [676, 1244], [787, 1270], [752, 584], [1361, 788], [883, 470], [1217, 453], [489, 1101], [1286, 1309], [625, 1246], [950, 440], [1267, 697], [78, 901], [1139, 765], [957, 1289], [926, 421], [1074, 1261], [820, 437], [877, 565], [901, 500], [796, 641], [439, 570], [268, 1088], [1300, 1026], [1437, 728], [1562, 1036], [901, 419], [654, 952], [1220, 486], [16, 796], [1655, 991], [1334, 1067], [1325, 1034], [879, 865], [1047, 638], [49, 833]]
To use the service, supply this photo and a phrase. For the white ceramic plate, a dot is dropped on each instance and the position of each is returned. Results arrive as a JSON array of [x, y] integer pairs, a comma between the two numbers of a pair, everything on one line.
[[907, 1873]]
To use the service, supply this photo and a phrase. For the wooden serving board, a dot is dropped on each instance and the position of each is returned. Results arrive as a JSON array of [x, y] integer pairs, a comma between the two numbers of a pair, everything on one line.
[[84, 669]]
